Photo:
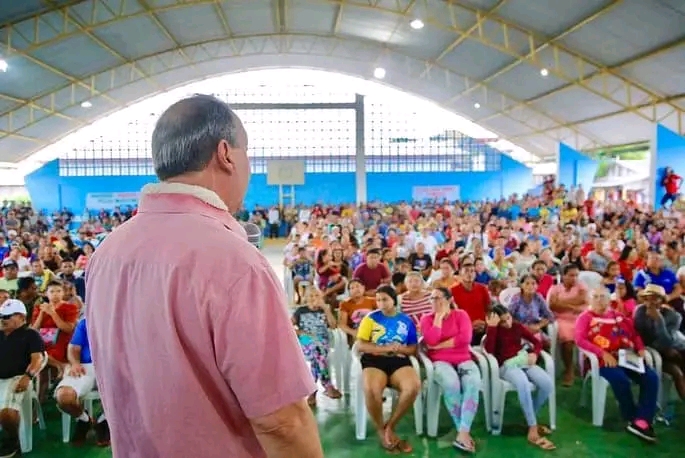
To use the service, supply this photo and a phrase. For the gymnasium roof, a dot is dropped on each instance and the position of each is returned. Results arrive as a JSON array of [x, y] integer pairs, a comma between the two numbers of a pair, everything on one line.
[[591, 73]]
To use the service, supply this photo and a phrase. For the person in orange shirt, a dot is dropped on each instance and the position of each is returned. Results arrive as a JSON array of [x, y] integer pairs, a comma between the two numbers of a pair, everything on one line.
[[354, 309], [55, 322]]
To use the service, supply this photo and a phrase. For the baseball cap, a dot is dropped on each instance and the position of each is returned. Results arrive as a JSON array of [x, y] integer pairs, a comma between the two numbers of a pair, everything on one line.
[[11, 307], [10, 263]]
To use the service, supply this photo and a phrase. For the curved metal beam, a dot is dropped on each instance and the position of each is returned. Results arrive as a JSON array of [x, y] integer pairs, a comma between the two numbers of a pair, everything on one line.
[[87, 25], [582, 60], [240, 44], [531, 55]]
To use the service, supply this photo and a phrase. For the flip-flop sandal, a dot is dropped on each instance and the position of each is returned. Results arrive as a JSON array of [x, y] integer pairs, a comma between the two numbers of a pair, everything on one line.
[[464, 447], [404, 447], [544, 430], [543, 444]]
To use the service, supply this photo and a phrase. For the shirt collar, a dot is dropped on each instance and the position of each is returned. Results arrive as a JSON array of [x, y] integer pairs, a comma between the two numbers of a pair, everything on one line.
[[168, 197]]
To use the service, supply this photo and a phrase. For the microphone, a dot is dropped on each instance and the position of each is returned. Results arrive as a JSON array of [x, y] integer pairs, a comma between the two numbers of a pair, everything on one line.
[[254, 234]]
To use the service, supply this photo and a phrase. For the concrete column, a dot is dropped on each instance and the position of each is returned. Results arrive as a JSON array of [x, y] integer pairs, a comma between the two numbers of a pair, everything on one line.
[[360, 155]]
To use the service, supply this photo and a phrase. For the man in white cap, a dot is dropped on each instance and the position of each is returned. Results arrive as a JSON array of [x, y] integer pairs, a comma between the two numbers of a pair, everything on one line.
[[22, 351]]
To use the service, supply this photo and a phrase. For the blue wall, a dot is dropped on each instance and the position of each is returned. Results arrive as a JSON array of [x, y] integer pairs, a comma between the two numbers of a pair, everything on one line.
[[575, 168], [668, 151], [50, 191]]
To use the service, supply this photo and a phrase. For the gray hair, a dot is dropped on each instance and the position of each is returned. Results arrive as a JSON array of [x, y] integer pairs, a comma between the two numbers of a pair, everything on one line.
[[188, 132]]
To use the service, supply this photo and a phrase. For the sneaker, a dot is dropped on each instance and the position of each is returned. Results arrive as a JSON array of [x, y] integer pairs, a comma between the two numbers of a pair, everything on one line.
[[10, 447], [81, 429], [102, 434], [642, 430]]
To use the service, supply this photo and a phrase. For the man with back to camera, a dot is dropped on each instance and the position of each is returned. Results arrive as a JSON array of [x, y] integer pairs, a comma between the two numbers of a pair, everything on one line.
[[195, 353]]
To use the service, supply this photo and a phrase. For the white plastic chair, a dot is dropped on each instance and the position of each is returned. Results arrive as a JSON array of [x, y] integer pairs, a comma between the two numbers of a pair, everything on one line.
[[599, 384], [87, 401], [433, 391], [26, 415], [360, 415], [507, 295], [342, 361], [501, 387], [288, 284], [591, 280]]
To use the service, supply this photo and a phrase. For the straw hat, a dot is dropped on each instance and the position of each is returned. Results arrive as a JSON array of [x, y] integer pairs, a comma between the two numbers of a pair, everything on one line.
[[653, 290]]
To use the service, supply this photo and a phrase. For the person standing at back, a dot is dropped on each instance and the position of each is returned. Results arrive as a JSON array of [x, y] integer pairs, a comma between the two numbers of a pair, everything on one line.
[[188, 324]]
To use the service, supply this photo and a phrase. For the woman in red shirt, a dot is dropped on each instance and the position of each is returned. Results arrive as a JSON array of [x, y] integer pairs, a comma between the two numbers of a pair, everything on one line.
[[518, 366], [629, 263]]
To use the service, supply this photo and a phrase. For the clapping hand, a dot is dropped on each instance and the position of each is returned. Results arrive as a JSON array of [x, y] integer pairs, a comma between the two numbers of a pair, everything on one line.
[[48, 309]]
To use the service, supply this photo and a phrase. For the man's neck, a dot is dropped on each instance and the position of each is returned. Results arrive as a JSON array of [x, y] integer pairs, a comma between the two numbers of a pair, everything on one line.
[[467, 285]]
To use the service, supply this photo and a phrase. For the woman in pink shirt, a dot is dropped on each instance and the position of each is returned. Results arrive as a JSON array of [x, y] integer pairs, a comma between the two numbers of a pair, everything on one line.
[[603, 331], [447, 334]]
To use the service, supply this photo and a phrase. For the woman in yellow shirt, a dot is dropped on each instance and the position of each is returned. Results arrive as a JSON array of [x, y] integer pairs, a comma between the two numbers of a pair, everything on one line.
[[569, 214]]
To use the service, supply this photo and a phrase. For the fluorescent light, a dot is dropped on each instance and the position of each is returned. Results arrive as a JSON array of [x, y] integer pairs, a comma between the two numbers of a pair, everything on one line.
[[544, 72], [416, 24], [476, 105], [3, 65], [379, 73], [86, 104]]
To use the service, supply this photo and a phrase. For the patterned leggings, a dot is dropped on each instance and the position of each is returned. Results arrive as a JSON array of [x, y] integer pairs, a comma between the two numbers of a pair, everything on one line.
[[460, 386], [316, 354]]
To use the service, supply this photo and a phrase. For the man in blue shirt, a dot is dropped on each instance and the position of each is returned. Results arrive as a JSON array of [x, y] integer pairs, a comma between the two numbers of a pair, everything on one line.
[[655, 273], [79, 380]]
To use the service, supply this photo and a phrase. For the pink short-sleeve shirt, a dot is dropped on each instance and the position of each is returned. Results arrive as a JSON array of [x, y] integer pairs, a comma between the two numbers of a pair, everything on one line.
[[189, 331]]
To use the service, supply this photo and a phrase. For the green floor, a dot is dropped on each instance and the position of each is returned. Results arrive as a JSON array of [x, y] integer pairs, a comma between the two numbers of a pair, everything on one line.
[[575, 436]]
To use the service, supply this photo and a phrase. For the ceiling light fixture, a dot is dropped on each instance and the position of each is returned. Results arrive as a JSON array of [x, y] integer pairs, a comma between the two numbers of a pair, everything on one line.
[[544, 72], [379, 73], [86, 104], [476, 105], [3, 66], [416, 24]]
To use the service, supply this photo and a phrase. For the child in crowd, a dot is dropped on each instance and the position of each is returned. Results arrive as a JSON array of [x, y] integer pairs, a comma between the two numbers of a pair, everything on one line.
[[505, 341], [312, 322], [55, 321], [302, 268]]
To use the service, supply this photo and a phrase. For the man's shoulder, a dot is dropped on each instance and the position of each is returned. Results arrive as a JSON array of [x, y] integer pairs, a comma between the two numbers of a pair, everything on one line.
[[29, 333]]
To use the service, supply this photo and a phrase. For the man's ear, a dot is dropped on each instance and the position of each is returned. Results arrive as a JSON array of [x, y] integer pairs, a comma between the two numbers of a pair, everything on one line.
[[225, 158]]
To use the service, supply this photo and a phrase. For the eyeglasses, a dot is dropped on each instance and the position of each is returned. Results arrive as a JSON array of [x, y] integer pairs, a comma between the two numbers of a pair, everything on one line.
[[436, 298]]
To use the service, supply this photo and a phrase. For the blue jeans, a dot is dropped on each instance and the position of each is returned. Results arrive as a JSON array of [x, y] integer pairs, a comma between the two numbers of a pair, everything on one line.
[[521, 378], [621, 381]]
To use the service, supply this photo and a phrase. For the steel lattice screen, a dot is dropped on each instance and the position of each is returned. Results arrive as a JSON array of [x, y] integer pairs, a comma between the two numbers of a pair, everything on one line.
[[325, 138], [397, 138]]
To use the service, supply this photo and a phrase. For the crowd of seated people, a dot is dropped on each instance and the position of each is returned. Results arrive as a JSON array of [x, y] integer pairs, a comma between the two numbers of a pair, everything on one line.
[[588, 267], [43, 337], [395, 278]]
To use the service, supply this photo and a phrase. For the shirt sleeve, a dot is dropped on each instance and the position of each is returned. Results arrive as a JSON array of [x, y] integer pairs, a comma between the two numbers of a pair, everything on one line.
[[640, 281], [254, 343], [581, 333], [36, 344], [412, 336], [365, 328], [68, 312], [79, 337]]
